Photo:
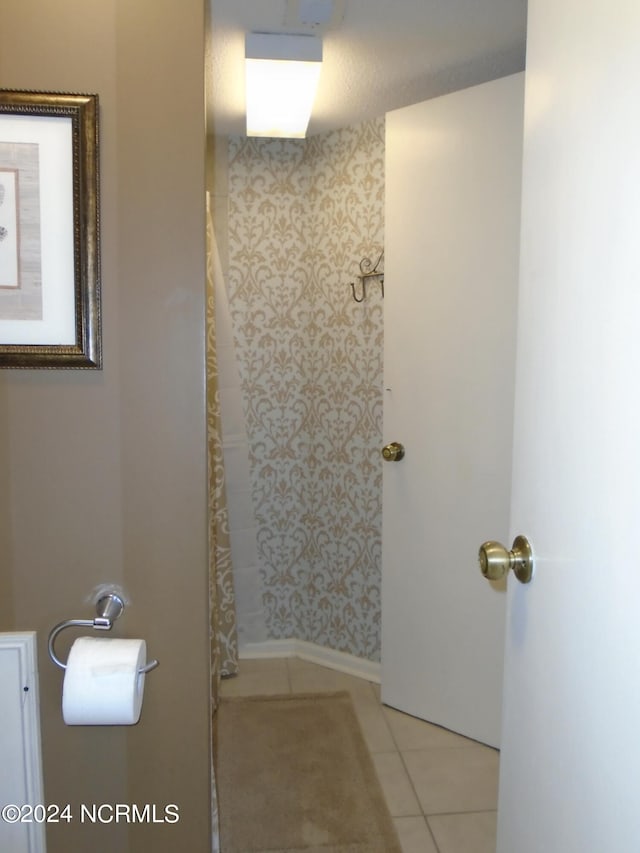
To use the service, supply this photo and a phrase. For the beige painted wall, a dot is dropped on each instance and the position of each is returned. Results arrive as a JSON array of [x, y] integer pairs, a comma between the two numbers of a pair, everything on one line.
[[103, 473], [6, 547]]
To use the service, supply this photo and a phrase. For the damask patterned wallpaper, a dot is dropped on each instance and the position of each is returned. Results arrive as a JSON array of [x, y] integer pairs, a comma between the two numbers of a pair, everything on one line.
[[302, 213]]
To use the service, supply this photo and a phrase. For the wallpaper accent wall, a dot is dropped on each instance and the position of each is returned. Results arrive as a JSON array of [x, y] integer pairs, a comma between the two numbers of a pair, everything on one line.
[[302, 214]]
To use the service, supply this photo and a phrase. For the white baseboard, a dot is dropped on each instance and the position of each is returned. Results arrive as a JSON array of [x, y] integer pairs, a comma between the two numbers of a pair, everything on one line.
[[340, 661]]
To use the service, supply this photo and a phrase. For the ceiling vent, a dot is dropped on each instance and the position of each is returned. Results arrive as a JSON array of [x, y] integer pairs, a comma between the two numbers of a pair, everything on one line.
[[316, 16]]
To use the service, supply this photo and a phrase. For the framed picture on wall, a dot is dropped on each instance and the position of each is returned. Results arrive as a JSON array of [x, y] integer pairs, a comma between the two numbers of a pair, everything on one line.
[[49, 231]]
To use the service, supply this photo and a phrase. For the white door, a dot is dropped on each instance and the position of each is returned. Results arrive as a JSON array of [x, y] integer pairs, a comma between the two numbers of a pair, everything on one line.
[[453, 173], [570, 765]]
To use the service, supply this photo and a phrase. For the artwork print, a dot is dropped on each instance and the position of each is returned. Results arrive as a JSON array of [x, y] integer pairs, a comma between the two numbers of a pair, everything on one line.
[[20, 244]]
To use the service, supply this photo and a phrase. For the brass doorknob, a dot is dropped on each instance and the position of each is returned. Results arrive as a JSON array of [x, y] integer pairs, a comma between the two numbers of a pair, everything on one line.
[[393, 452], [495, 561]]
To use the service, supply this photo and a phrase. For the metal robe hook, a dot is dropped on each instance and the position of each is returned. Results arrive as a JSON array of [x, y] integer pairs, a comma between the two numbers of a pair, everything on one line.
[[353, 291], [368, 271], [109, 607]]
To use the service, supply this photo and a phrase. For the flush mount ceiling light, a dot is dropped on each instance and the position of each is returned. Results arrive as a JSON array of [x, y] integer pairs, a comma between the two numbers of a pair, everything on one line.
[[282, 73]]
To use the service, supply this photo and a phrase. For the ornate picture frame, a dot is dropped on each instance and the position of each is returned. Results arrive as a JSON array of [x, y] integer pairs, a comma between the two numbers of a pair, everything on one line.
[[49, 231]]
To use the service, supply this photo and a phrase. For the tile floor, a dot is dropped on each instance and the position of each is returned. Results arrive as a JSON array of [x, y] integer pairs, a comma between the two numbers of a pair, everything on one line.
[[441, 788]]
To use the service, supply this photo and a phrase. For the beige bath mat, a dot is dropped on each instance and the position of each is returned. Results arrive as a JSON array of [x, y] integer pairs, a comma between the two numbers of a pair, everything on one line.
[[294, 774]]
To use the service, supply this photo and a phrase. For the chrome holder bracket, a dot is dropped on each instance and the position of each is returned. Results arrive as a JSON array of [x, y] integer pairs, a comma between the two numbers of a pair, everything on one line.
[[109, 607]]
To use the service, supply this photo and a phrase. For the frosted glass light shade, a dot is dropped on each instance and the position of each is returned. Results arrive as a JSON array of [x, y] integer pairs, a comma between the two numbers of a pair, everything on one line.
[[281, 78]]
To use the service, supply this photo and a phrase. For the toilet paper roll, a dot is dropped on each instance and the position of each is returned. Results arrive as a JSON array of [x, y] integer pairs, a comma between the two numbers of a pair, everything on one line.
[[102, 683]]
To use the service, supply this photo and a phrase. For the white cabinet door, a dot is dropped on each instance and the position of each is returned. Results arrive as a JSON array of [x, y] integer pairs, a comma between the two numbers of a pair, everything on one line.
[[20, 756]]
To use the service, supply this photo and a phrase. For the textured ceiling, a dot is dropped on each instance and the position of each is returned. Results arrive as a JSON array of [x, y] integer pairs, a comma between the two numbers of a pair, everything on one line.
[[381, 55]]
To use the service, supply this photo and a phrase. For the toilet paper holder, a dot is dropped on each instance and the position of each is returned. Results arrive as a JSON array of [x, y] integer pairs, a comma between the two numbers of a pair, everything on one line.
[[109, 607]]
